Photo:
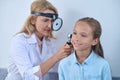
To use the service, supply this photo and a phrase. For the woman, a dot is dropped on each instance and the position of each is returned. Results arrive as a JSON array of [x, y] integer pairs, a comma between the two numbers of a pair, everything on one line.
[[33, 55]]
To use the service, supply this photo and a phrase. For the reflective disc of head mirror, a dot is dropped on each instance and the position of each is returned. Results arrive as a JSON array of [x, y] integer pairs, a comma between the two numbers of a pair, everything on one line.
[[57, 24]]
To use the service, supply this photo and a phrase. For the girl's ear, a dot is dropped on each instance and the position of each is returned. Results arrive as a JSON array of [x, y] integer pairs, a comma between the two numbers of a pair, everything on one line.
[[95, 41]]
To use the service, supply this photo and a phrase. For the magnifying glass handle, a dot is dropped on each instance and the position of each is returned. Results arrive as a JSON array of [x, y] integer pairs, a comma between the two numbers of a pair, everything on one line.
[[69, 39], [69, 43]]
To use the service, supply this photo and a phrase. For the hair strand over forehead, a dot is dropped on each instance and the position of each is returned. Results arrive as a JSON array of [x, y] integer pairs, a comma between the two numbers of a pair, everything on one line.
[[37, 6]]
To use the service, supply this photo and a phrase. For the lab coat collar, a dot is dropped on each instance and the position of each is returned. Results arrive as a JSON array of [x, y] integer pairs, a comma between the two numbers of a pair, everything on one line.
[[32, 39]]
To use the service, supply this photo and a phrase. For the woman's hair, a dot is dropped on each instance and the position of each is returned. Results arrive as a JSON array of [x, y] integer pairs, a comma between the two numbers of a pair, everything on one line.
[[97, 30], [37, 6]]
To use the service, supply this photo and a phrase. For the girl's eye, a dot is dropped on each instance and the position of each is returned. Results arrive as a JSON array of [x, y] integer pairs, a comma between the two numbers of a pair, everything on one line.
[[83, 35], [74, 33]]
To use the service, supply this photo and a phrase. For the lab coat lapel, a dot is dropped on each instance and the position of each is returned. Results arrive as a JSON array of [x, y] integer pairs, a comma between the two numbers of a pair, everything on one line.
[[35, 47], [44, 49]]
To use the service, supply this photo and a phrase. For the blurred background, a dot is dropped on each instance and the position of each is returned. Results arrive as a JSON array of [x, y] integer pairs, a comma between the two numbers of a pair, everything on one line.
[[13, 14]]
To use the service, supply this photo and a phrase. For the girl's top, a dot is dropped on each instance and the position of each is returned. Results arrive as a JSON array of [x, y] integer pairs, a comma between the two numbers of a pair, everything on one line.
[[93, 68]]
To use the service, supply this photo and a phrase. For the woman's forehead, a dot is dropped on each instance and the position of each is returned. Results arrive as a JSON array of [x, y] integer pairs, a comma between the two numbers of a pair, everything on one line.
[[48, 11]]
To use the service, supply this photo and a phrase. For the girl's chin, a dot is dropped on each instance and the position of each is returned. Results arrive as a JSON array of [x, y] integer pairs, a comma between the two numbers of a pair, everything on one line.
[[75, 48]]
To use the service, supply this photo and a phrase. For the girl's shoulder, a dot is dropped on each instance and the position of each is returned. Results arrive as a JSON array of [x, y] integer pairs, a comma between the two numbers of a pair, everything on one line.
[[68, 60], [101, 60]]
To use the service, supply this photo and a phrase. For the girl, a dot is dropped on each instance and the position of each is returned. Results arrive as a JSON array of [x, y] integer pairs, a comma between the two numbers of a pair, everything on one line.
[[87, 61]]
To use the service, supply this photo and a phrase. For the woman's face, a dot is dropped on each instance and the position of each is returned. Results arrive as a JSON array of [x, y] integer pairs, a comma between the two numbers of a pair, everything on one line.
[[43, 24], [82, 37]]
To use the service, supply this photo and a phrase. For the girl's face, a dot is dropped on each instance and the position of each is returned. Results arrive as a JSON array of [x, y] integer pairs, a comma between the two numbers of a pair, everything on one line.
[[82, 37], [43, 24]]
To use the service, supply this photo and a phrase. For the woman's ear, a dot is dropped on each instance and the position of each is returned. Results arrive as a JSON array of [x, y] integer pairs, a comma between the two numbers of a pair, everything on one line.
[[95, 41], [33, 20]]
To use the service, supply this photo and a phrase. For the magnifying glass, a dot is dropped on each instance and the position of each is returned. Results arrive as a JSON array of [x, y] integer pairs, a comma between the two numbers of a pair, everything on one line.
[[56, 23]]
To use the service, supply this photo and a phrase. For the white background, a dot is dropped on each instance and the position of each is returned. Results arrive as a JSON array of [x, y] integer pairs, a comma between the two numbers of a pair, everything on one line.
[[13, 13]]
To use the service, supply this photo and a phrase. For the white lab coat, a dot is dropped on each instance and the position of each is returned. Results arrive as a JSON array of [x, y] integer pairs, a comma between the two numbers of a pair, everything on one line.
[[25, 57]]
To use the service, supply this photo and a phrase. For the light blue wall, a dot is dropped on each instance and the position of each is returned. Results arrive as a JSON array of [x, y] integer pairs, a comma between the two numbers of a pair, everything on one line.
[[14, 13]]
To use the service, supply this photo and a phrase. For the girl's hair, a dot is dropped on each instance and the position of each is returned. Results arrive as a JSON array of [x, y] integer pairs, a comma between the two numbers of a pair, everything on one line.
[[37, 6], [97, 30]]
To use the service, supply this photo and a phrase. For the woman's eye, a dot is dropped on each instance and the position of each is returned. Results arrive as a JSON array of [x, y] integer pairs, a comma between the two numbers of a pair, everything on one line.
[[45, 20]]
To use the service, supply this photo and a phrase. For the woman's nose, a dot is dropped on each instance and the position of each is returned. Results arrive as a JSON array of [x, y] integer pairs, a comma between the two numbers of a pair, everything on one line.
[[50, 24]]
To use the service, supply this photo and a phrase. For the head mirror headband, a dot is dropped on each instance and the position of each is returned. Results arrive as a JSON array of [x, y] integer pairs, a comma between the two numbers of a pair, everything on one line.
[[57, 22]]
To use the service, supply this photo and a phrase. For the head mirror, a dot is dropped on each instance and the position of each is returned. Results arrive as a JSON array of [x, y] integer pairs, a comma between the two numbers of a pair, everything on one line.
[[57, 22]]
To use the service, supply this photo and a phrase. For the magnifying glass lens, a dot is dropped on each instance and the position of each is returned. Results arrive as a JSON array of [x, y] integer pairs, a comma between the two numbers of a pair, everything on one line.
[[57, 24]]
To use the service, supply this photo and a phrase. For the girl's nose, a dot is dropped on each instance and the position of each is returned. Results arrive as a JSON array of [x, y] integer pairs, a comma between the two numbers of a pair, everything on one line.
[[76, 37]]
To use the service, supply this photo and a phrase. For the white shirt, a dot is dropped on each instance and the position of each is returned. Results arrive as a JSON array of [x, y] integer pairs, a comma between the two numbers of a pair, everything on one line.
[[25, 56]]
